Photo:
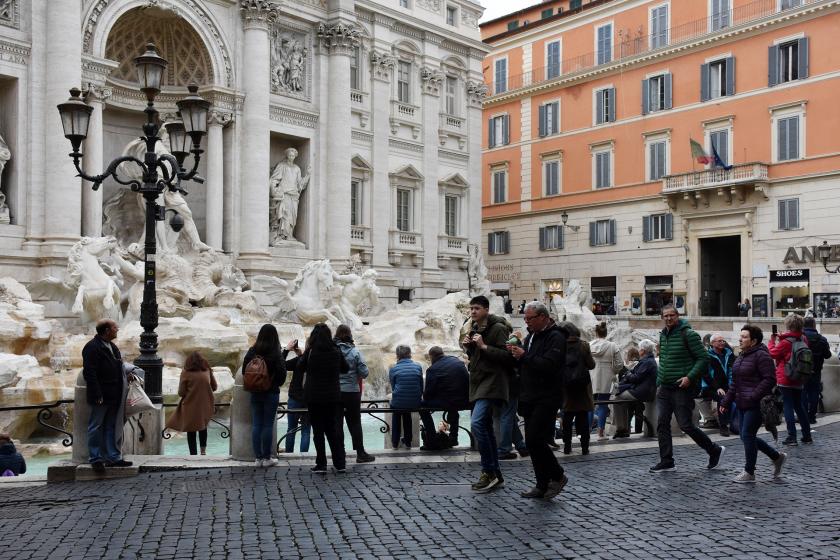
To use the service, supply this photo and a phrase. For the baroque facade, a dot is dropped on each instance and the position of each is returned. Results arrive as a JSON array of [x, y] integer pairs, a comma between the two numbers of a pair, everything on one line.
[[345, 129]]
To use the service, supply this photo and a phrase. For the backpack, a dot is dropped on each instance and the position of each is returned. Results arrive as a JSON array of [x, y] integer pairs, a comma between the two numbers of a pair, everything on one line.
[[577, 374], [255, 379], [800, 365]]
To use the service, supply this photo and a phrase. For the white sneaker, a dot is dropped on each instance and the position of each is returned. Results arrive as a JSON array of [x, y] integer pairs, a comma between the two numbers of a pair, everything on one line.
[[269, 462], [777, 465], [258, 463], [744, 477]]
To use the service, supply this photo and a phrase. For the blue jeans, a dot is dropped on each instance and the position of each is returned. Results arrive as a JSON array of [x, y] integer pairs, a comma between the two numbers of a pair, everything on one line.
[[792, 403], [602, 411], [296, 418], [509, 431], [263, 418], [102, 444], [749, 425], [811, 397], [482, 429]]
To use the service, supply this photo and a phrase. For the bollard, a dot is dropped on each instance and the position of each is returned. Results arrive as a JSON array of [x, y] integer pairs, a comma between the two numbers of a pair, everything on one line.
[[81, 415], [241, 446]]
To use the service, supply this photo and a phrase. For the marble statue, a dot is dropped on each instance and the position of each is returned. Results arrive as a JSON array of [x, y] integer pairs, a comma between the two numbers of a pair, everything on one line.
[[5, 156], [359, 293], [288, 60], [574, 306], [477, 271], [125, 212], [87, 288], [287, 184], [301, 300]]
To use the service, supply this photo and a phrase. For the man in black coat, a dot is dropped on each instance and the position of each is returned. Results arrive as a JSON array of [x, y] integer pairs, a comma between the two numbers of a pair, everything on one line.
[[103, 373], [10, 459], [821, 352], [447, 387], [542, 362]]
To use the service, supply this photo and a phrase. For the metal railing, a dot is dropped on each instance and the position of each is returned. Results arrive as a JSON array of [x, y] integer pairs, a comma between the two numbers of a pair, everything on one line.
[[628, 46], [45, 412]]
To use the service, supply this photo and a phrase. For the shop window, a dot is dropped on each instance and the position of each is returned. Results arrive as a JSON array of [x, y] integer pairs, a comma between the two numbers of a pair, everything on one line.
[[603, 295], [659, 292], [827, 305]]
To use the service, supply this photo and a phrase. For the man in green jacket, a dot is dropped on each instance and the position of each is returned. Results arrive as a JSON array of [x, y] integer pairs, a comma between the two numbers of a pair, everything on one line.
[[682, 360], [491, 367]]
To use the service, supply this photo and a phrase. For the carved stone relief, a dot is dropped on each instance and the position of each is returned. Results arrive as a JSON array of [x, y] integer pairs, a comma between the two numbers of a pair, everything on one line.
[[382, 65], [469, 18], [5, 156], [291, 63], [431, 5], [476, 92], [432, 80], [339, 38], [9, 14]]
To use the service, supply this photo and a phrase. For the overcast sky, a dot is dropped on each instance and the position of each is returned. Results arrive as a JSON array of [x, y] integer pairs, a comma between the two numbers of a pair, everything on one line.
[[498, 8]]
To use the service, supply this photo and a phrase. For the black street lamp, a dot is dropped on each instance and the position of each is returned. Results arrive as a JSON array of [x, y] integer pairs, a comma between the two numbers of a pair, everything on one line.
[[824, 251], [160, 172]]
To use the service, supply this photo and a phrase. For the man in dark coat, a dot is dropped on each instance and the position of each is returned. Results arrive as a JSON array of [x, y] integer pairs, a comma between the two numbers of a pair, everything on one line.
[[103, 373], [10, 459], [447, 387], [821, 351], [542, 362]]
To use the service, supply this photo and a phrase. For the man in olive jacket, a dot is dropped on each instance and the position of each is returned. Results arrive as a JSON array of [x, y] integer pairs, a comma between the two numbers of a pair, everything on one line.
[[491, 366], [682, 361]]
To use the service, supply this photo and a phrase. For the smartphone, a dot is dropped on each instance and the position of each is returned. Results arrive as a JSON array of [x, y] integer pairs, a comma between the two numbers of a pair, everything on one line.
[[296, 344], [775, 329]]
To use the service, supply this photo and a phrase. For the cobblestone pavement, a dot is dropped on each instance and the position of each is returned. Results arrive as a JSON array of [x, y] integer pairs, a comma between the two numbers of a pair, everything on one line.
[[612, 508]]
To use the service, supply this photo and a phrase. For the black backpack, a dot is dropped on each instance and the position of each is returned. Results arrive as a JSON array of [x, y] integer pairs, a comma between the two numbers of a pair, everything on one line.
[[577, 374]]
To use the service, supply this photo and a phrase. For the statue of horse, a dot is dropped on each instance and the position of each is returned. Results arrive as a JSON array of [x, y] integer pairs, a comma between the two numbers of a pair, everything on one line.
[[301, 299], [87, 288]]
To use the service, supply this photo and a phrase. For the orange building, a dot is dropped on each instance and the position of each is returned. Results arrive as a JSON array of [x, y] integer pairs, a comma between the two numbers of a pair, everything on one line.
[[663, 151]]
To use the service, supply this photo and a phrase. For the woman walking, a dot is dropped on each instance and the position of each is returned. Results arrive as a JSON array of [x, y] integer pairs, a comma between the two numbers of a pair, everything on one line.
[[754, 376], [264, 404], [781, 348], [577, 398], [322, 363], [608, 363], [197, 406], [351, 390]]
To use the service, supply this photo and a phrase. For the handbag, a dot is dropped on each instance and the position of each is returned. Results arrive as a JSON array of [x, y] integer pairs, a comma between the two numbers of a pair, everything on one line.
[[137, 400]]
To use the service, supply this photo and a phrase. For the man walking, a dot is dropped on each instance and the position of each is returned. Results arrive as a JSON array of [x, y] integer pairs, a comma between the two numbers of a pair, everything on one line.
[[682, 360], [490, 367], [821, 352], [542, 362], [103, 373], [446, 388]]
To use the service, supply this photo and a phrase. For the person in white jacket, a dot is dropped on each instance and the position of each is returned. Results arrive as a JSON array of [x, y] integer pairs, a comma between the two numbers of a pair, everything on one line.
[[608, 362]]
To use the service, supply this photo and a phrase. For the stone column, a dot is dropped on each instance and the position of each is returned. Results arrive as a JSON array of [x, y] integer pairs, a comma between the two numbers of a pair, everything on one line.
[[63, 195], [255, 167], [216, 120], [338, 40], [230, 208], [382, 67], [432, 81], [476, 91], [93, 163]]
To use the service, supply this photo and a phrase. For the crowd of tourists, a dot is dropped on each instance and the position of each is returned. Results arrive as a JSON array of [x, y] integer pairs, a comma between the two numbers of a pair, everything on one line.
[[549, 374]]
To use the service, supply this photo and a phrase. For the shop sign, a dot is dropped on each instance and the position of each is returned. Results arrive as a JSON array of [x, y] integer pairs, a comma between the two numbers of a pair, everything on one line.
[[790, 274], [502, 273], [801, 255]]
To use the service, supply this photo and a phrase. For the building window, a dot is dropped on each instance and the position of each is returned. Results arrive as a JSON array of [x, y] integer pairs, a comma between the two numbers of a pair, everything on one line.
[[658, 227], [657, 160], [451, 15], [450, 226], [499, 186], [602, 232], [500, 79], [549, 115], [788, 4], [499, 131], [602, 172], [605, 105], [355, 68], [720, 14], [547, 13], [404, 209], [788, 61], [551, 237], [552, 60], [604, 43], [659, 26], [513, 25], [717, 79], [498, 243], [789, 213], [404, 81], [575, 4], [355, 202], [404, 3], [656, 93], [403, 295], [719, 143], [551, 177], [451, 95], [787, 138]]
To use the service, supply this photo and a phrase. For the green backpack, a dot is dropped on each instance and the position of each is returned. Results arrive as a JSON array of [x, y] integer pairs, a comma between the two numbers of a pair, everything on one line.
[[800, 365]]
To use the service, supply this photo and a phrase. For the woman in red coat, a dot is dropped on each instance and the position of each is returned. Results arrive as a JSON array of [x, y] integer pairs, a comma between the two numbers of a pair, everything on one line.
[[780, 349]]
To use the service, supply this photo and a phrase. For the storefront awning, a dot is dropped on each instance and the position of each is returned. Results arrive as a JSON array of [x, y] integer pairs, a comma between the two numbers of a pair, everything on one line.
[[657, 287], [789, 284]]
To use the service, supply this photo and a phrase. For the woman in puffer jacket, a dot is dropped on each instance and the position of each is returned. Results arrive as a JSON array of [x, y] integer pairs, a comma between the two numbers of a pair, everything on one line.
[[608, 362], [753, 379]]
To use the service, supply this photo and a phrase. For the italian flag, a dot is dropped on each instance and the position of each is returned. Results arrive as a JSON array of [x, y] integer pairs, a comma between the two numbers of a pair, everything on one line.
[[699, 154]]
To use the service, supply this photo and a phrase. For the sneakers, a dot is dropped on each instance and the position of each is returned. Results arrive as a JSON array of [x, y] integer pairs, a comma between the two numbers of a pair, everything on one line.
[[662, 466], [508, 456], [258, 463], [790, 440], [744, 478], [269, 462], [341, 470], [715, 456], [778, 463], [319, 469], [364, 457], [555, 487], [533, 493], [807, 439], [98, 467], [486, 482]]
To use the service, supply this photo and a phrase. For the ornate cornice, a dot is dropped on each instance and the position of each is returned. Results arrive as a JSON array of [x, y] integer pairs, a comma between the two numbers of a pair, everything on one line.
[[13, 52], [365, 137], [382, 65], [98, 93], [293, 117], [258, 13], [97, 70], [403, 145], [476, 92], [432, 80], [217, 117], [339, 38]]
